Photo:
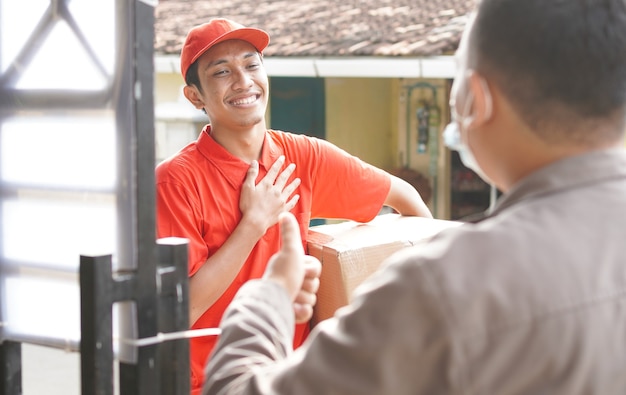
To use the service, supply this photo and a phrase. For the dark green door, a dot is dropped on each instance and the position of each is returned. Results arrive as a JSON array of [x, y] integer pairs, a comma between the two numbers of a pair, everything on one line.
[[298, 105]]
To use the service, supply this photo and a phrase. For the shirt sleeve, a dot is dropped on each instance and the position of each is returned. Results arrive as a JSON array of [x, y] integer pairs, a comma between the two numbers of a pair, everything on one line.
[[345, 186], [390, 340], [178, 215]]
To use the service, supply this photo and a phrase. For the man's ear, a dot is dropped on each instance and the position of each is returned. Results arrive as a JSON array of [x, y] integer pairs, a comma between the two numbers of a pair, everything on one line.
[[192, 94], [483, 101]]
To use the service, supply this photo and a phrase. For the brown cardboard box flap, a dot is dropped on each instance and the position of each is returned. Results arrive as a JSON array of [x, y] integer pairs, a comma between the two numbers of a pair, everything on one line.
[[350, 252]]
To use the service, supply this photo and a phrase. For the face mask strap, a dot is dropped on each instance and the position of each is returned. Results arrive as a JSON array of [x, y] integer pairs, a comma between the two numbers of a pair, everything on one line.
[[465, 118]]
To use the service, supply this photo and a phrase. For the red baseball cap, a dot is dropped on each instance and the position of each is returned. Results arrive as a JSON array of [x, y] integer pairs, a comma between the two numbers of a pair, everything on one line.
[[203, 37]]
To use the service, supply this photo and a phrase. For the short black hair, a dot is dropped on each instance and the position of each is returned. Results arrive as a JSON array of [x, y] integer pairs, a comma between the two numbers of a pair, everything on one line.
[[559, 62], [192, 78]]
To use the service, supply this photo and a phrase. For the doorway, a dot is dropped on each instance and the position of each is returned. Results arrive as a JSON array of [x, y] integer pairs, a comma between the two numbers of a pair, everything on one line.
[[297, 105]]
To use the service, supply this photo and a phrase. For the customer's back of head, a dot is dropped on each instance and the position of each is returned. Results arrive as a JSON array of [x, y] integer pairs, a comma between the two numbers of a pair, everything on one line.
[[536, 292], [561, 63]]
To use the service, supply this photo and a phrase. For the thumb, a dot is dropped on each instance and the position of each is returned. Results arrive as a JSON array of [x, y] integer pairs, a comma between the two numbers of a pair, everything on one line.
[[286, 267], [289, 232]]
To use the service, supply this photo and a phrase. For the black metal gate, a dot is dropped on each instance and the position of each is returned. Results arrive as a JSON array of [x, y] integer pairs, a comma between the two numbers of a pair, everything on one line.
[[76, 176]]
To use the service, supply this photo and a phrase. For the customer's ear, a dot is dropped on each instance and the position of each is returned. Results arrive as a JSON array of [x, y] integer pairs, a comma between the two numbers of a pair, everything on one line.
[[483, 101]]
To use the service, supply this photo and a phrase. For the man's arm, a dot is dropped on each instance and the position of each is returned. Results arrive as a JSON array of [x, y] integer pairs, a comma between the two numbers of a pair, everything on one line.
[[260, 205], [405, 199]]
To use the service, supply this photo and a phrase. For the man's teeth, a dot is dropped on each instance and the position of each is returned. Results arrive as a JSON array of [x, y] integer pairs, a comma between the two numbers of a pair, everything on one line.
[[247, 100]]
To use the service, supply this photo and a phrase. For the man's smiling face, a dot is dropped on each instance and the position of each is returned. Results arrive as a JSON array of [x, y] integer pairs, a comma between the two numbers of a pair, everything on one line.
[[233, 84]]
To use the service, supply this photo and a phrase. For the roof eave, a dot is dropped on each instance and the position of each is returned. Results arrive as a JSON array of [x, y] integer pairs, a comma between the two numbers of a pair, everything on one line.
[[436, 67]]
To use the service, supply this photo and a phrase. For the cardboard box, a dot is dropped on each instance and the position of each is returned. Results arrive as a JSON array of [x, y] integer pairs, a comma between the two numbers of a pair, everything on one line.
[[351, 251]]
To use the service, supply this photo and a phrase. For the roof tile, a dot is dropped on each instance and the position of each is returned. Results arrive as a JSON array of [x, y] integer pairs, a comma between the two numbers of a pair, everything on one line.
[[326, 27]]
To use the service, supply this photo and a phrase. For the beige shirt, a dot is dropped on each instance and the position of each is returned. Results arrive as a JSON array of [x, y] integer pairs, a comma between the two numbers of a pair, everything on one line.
[[530, 300]]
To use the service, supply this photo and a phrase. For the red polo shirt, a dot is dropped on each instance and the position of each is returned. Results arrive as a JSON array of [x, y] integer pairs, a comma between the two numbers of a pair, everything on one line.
[[198, 193]]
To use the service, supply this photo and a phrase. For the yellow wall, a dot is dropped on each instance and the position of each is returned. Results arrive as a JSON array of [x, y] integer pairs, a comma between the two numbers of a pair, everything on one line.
[[367, 118], [360, 118], [168, 87]]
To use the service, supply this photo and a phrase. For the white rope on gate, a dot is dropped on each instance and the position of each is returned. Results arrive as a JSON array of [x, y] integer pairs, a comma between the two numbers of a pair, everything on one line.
[[71, 345], [163, 337]]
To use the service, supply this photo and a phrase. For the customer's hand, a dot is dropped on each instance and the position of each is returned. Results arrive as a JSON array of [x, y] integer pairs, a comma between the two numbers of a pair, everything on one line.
[[296, 272]]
